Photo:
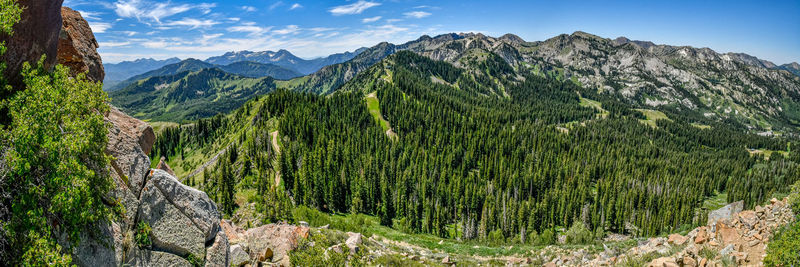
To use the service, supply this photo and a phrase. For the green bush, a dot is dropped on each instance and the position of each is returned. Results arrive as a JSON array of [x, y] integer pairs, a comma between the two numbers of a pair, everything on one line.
[[547, 237], [784, 249], [143, 231], [313, 217], [579, 234], [495, 237], [794, 198]]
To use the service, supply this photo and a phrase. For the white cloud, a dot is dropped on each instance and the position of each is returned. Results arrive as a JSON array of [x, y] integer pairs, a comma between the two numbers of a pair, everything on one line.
[[234, 19], [354, 8], [416, 14], [88, 15], [113, 44], [141, 9], [193, 23], [251, 29], [296, 6], [289, 29], [249, 8], [275, 5], [393, 20], [99, 27], [372, 19], [128, 33]]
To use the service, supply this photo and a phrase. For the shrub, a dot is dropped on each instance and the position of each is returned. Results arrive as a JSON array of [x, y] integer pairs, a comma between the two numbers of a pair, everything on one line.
[[794, 198], [495, 237], [547, 237], [784, 249], [143, 231], [578, 234]]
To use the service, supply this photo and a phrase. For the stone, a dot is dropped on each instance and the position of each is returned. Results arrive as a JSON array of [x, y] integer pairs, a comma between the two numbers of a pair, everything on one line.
[[193, 203], [266, 256], [128, 140], [447, 261], [663, 262], [748, 218], [773, 200], [550, 264], [172, 231], [676, 239], [325, 226], [101, 248], [35, 35], [703, 262], [725, 213], [727, 234], [77, 47], [701, 236], [303, 223], [233, 233], [162, 165], [353, 241], [689, 261], [146, 258], [238, 256], [727, 250], [280, 238], [218, 254]]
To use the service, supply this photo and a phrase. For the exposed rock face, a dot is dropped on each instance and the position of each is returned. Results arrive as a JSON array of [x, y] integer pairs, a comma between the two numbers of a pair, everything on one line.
[[77, 47], [184, 221], [35, 35]]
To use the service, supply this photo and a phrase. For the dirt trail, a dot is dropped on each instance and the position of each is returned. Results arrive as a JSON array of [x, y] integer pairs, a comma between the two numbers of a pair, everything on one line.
[[277, 152]]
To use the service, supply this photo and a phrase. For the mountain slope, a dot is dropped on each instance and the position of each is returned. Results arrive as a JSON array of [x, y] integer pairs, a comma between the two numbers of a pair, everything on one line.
[[284, 59], [496, 152], [246, 69], [730, 87], [189, 94], [791, 67], [116, 72]]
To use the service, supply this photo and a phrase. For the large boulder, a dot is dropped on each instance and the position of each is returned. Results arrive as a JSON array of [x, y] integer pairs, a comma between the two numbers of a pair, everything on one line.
[[35, 35], [77, 47], [192, 203], [725, 213], [172, 231], [146, 258]]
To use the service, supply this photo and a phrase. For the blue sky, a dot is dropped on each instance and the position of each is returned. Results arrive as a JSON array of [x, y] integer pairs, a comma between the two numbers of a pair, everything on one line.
[[130, 29]]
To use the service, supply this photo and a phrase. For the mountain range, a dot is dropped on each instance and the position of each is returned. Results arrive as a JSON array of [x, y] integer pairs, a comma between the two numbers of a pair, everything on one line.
[[116, 72], [755, 94], [284, 59], [243, 68]]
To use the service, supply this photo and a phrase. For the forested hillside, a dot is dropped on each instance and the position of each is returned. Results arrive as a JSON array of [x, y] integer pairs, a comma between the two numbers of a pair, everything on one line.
[[480, 150]]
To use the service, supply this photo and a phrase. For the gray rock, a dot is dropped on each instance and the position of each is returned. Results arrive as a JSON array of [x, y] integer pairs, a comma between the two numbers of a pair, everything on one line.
[[238, 256], [147, 258], [217, 255], [353, 242], [172, 231], [130, 164], [193, 203], [100, 248], [725, 213]]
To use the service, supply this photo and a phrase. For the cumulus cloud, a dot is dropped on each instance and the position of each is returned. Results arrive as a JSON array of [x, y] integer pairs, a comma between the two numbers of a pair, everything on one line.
[[372, 19], [354, 8], [416, 14]]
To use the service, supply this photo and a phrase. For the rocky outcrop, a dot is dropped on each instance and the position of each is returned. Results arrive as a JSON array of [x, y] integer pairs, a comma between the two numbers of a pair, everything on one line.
[[269, 243], [35, 35], [184, 221], [77, 47], [740, 237]]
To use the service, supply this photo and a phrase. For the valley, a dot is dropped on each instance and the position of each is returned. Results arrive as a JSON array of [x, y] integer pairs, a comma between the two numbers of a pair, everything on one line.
[[208, 143]]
